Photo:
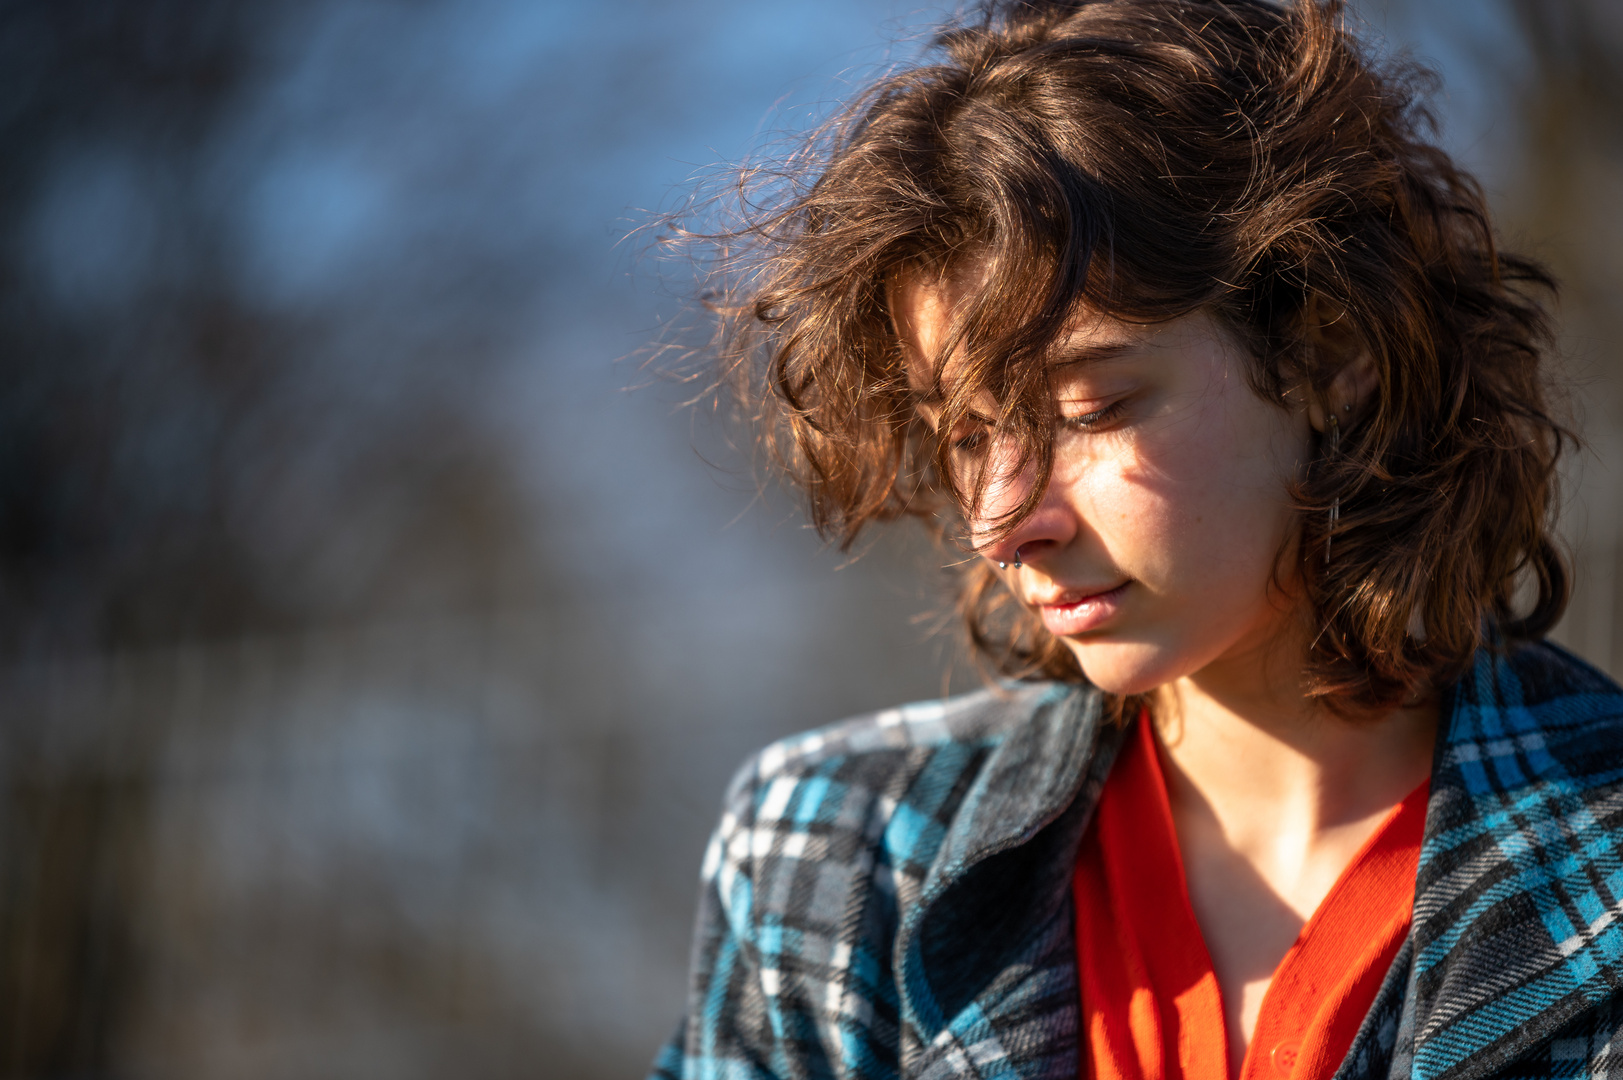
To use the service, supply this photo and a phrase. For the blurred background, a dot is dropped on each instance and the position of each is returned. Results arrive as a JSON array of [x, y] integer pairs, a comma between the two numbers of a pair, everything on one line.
[[372, 659]]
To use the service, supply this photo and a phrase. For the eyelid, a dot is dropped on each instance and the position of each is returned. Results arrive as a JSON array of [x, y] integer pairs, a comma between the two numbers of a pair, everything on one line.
[[1095, 417], [970, 427], [974, 419]]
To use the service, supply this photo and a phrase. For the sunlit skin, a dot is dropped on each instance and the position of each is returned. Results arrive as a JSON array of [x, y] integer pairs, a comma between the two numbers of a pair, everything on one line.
[[1161, 554]]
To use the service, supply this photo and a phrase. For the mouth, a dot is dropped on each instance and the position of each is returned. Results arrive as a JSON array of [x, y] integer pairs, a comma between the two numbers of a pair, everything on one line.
[[1076, 611]]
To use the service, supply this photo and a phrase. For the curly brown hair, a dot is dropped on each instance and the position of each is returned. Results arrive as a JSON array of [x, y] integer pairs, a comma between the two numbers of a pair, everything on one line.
[[1145, 159]]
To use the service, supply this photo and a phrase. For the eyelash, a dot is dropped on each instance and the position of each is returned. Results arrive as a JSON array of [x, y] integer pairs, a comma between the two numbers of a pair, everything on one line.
[[1094, 418], [968, 444]]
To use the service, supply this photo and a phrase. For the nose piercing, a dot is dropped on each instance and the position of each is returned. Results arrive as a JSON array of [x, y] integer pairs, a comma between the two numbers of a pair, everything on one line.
[[1017, 563]]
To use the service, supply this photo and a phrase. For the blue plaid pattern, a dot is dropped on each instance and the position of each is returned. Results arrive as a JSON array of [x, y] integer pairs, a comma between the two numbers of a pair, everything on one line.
[[890, 896], [1517, 943]]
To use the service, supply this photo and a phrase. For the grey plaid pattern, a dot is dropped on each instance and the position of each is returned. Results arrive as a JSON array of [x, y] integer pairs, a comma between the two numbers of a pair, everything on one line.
[[1591, 1048], [891, 896]]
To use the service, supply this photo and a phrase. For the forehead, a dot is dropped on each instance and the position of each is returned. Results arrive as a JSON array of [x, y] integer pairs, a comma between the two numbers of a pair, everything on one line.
[[926, 303], [923, 303]]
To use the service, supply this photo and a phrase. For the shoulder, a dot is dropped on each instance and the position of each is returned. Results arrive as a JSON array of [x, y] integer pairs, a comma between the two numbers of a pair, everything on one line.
[[1515, 907], [1534, 727], [825, 844], [1536, 696], [979, 719], [1575, 713], [1547, 674], [879, 754], [871, 795]]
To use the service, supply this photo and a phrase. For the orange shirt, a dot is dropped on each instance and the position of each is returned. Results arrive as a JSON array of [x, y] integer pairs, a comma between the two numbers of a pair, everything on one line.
[[1151, 1007]]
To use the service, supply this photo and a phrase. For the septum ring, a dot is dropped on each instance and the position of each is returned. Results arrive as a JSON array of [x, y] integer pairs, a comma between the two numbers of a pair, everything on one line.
[[1017, 563]]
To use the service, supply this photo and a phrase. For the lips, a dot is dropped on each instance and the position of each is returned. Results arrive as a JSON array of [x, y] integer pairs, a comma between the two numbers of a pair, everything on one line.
[[1077, 611]]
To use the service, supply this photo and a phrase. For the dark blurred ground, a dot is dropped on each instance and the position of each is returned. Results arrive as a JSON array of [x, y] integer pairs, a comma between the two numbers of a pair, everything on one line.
[[370, 663]]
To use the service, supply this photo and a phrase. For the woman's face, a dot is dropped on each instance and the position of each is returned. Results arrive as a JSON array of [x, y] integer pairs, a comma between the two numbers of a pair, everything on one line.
[[1152, 553]]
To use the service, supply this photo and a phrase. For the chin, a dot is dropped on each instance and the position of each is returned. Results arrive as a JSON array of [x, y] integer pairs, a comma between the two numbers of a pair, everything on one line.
[[1124, 668]]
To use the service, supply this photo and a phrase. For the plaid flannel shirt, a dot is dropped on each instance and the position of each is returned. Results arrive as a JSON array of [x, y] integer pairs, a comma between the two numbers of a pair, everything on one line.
[[891, 896]]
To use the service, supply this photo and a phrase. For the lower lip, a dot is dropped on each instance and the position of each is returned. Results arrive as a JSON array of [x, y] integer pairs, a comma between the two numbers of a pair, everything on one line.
[[1089, 613]]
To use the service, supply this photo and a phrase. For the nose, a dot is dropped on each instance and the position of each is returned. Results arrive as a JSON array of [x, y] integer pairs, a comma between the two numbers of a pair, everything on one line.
[[1050, 526]]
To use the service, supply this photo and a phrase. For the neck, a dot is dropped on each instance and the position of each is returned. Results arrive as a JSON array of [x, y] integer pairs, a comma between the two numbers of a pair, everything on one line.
[[1272, 794], [1246, 739]]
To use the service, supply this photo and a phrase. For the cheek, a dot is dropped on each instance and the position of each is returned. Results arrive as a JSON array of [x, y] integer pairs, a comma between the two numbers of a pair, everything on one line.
[[1199, 506], [1198, 523]]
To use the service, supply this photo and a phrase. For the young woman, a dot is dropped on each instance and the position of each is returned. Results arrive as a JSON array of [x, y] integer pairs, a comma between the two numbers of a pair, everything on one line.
[[1170, 315]]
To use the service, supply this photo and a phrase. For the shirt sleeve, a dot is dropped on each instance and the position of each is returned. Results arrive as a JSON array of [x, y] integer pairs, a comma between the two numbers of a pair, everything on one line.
[[729, 1027]]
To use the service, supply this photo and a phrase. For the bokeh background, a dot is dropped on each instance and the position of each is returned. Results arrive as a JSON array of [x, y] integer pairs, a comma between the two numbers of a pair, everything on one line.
[[375, 637]]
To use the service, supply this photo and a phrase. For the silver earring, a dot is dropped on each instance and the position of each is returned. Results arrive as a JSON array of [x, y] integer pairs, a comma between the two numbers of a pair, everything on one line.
[[1335, 505]]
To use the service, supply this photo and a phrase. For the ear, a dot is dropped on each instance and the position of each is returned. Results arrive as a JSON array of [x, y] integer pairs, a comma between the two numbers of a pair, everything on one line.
[[1332, 345]]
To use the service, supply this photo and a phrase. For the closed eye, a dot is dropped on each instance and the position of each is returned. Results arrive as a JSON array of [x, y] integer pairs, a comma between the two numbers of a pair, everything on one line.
[[970, 434], [970, 441], [1097, 418]]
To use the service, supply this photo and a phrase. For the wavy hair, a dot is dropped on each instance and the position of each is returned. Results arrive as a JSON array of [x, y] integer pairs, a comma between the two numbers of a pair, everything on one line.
[[1147, 159]]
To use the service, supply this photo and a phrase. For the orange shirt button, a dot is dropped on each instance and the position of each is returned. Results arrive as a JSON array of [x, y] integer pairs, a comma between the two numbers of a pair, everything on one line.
[[1284, 1056]]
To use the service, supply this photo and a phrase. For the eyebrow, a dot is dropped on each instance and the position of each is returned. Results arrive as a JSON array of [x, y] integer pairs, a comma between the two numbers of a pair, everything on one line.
[[1071, 355]]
